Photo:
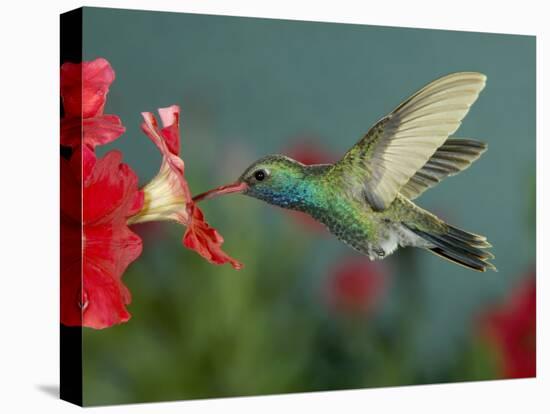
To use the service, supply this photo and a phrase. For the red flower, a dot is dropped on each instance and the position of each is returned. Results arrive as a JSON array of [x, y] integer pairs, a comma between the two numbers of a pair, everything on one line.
[[84, 88], [100, 197], [167, 196], [511, 328], [356, 285], [97, 197], [110, 195], [205, 240]]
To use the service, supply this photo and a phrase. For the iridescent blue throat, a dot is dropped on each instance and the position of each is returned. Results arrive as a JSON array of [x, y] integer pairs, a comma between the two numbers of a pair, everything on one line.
[[296, 191]]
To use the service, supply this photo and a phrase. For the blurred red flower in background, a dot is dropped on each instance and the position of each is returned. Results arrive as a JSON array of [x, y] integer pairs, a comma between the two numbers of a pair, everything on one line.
[[308, 151], [100, 198], [356, 285], [511, 329]]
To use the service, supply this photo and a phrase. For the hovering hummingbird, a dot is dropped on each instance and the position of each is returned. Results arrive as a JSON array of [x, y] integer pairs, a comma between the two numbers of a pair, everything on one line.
[[365, 198]]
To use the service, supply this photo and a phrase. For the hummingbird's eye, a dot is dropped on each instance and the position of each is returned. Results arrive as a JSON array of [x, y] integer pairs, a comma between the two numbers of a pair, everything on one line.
[[260, 175]]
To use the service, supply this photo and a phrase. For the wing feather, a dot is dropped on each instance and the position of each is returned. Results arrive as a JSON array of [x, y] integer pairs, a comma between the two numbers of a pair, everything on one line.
[[454, 156], [400, 144]]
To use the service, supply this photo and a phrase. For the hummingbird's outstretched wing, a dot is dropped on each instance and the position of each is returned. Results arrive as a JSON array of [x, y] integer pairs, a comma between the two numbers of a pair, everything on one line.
[[454, 156], [401, 143]]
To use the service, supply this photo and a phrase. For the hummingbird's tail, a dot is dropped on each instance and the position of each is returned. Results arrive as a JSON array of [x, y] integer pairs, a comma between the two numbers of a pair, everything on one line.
[[459, 246]]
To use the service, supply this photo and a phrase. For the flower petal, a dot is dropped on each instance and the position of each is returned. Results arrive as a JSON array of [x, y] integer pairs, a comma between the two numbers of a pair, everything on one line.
[[205, 240], [84, 87], [168, 195], [71, 131], [82, 163], [98, 238], [136, 204], [109, 191], [96, 301], [167, 140], [108, 251], [71, 285], [171, 129], [71, 196], [95, 131], [102, 129], [104, 298]]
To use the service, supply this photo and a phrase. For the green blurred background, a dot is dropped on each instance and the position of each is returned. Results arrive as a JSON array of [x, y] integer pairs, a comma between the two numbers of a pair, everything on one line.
[[307, 313]]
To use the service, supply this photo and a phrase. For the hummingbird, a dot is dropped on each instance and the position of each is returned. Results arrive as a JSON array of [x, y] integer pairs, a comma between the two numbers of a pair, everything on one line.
[[366, 198]]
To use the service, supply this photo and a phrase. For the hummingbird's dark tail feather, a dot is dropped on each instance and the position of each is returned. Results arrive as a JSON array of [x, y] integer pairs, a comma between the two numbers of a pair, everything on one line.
[[459, 246]]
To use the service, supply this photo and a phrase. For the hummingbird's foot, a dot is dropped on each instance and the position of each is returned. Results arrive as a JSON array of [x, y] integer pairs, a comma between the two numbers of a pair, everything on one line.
[[380, 253]]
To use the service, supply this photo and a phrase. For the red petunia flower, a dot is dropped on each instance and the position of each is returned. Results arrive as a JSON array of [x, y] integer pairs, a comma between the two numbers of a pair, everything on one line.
[[84, 88], [97, 197], [109, 195], [511, 328], [356, 285], [100, 198], [167, 196]]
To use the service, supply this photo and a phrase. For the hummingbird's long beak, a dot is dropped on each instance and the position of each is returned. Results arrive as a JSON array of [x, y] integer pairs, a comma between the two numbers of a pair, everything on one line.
[[237, 187]]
